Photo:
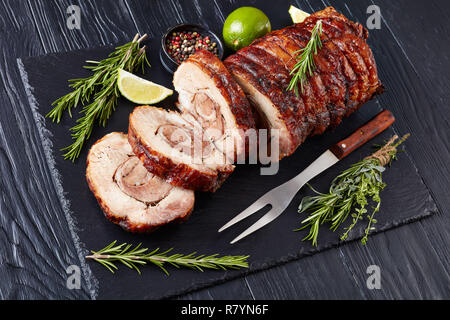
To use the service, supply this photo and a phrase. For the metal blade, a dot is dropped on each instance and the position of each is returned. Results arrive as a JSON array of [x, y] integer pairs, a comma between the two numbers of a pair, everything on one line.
[[322, 163], [287, 190]]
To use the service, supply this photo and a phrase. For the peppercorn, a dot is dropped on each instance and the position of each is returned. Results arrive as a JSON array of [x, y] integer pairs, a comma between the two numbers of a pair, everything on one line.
[[180, 45]]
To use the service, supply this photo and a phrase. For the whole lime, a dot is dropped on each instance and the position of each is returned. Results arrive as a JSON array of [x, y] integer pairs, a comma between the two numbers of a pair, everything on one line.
[[244, 25]]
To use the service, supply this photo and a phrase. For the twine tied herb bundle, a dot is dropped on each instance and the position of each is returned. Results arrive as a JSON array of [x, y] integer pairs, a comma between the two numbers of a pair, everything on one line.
[[350, 193]]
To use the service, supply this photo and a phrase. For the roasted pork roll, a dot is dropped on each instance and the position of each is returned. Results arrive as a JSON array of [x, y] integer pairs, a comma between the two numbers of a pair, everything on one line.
[[196, 147], [345, 77], [130, 195]]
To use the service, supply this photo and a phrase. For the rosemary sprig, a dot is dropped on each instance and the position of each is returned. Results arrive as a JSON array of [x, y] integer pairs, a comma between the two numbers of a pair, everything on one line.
[[102, 87], [305, 60], [136, 257], [353, 188]]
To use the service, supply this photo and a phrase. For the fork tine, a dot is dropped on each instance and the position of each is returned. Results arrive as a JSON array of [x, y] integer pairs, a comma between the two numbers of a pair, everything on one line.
[[267, 218], [257, 205]]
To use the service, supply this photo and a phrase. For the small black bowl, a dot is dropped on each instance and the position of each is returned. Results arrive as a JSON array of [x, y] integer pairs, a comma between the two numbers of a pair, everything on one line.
[[167, 61]]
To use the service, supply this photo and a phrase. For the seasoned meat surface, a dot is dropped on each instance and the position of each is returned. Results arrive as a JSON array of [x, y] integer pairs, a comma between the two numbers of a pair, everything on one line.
[[203, 81], [146, 179], [344, 79]]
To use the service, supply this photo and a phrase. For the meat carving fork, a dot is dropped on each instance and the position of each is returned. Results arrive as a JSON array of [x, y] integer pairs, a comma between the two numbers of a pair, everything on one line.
[[280, 197]]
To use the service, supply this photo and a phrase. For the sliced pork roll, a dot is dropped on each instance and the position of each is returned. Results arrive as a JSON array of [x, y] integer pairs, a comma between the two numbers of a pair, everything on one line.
[[130, 195], [345, 78], [172, 146], [208, 92]]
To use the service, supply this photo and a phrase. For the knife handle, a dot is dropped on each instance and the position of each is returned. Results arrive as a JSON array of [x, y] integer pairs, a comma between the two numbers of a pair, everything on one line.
[[367, 132]]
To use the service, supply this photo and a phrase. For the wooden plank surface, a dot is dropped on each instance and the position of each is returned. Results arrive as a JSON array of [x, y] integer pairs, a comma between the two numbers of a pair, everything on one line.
[[429, 115], [37, 246]]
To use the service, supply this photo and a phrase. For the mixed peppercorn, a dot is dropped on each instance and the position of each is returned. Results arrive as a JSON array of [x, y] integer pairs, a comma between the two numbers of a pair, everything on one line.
[[180, 45]]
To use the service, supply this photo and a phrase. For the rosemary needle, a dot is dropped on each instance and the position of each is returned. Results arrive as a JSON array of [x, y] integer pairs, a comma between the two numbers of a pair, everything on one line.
[[305, 60], [136, 257], [101, 86]]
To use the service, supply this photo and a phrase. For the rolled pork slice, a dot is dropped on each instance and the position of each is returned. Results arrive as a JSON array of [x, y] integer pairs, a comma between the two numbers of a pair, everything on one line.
[[173, 146], [130, 195], [208, 92]]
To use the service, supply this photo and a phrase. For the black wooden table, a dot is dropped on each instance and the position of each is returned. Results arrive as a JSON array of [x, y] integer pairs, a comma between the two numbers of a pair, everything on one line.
[[36, 244]]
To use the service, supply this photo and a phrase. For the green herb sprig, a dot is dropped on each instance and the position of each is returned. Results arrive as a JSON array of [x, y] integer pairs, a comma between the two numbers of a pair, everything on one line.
[[305, 60], [353, 188], [101, 86], [136, 257]]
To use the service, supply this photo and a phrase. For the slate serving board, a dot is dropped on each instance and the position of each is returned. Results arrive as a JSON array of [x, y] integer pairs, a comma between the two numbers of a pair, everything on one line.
[[404, 200]]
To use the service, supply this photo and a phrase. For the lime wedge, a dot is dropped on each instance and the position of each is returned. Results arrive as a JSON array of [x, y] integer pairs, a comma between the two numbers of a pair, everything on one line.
[[297, 15], [139, 90]]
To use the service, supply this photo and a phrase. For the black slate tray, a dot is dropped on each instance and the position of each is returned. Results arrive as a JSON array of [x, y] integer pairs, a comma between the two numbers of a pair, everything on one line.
[[404, 200]]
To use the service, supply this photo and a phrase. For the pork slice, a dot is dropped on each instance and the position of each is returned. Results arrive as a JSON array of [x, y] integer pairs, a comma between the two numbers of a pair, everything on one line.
[[209, 94], [128, 194], [173, 146]]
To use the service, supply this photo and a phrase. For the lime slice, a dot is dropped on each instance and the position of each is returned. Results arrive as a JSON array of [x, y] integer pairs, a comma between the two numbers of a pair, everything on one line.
[[297, 15], [139, 90]]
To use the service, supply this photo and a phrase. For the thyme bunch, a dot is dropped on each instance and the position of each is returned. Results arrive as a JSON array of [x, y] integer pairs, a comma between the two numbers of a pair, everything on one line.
[[349, 194], [305, 60], [136, 257], [101, 86]]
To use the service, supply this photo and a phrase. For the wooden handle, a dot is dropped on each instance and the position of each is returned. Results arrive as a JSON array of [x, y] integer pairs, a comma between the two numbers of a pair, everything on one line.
[[367, 132]]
